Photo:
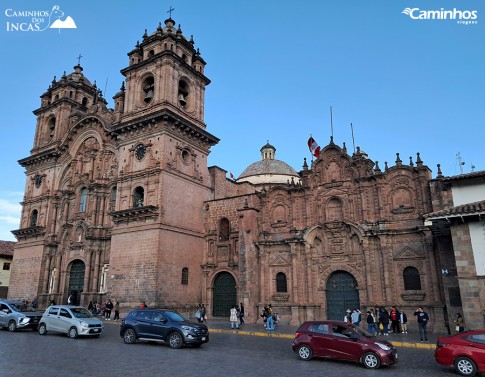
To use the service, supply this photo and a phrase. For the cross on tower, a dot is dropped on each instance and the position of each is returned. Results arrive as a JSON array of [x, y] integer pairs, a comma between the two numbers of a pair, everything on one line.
[[79, 59], [170, 10]]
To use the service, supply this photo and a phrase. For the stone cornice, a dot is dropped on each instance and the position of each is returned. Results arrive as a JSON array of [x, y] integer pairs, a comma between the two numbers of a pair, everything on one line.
[[134, 214], [30, 232]]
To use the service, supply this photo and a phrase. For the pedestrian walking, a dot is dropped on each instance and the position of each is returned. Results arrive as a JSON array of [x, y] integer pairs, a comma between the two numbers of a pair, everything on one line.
[[348, 316], [198, 314], [394, 316], [70, 300], [117, 311], [356, 317], [203, 313], [108, 308], [403, 318], [384, 318], [233, 318], [371, 323], [241, 314], [423, 319]]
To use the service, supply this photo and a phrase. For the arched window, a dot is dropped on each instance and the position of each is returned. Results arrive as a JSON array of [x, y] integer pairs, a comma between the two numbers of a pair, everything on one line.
[[183, 93], [412, 280], [185, 276], [148, 88], [83, 199], [52, 127], [224, 229], [281, 285], [33, 218], [139, 197]]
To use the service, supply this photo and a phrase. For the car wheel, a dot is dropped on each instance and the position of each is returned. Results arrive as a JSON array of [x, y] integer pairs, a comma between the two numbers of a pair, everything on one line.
[[465, 366], [42, 329], [305, 352], [72, 333], [12, 326], [129, 336], [175, 340], [371, 360]]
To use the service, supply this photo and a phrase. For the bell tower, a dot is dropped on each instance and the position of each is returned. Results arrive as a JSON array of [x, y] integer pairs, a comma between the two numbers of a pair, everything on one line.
[[163, 178], [165, 71]]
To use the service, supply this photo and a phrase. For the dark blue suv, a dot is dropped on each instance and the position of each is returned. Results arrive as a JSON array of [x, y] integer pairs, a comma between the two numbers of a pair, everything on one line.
[[167, 326]]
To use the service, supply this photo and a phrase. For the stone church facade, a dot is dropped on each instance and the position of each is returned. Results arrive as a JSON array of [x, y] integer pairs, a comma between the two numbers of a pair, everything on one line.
[[121, 204]]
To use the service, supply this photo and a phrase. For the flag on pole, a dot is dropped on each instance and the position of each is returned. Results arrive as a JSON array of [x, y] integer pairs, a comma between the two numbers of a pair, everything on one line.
[[313, 146], [231, 175]]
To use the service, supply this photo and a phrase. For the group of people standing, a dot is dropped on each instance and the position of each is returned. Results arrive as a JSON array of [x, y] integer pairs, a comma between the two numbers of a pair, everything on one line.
[[105, 310], [201, 313], [236, 316]]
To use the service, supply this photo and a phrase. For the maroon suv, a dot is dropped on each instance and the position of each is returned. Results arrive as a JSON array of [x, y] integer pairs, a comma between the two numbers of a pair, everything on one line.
[[343, 341]]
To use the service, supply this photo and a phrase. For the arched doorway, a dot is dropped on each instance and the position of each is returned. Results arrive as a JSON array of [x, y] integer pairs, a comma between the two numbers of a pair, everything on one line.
[[224, 294], [76, 280], [342, 294]]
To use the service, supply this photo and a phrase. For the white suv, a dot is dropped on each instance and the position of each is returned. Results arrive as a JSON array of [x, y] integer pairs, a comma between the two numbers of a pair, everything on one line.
[[71, 320]]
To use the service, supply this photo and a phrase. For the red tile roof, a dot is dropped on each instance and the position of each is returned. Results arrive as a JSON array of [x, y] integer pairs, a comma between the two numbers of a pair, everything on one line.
[[6, 248], [476, 208], [463, 177]]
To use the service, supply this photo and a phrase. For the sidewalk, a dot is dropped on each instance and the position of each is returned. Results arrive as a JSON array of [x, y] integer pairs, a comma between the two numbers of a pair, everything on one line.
[[216, 325]]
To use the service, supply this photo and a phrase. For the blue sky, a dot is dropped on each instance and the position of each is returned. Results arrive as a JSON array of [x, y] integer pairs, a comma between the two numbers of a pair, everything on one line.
[[407, 85]]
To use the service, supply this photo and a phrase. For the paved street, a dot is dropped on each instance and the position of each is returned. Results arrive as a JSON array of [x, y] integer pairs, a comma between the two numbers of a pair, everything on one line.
[[27, 353]]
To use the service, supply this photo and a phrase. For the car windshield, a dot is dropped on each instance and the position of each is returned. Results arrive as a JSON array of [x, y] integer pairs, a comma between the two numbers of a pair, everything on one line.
[[22, 308], [81, 313], [175, 317], [362, 332]]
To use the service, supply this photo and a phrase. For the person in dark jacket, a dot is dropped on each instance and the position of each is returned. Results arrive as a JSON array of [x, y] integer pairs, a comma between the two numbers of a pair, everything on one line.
[[423, 319], [384, 319]]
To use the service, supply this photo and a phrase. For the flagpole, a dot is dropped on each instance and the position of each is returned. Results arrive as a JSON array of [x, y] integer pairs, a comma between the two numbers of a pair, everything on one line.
[[353, 141], [331, 124]]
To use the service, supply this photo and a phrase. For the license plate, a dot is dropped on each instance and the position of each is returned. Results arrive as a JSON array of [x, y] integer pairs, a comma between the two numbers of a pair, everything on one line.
[[396, 355], [203, 338], [96, 330]]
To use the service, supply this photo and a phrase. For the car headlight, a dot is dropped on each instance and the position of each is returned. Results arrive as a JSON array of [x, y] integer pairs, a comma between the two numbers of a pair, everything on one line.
[[187, 329], [84, 324], [24, 319], [383, 346]]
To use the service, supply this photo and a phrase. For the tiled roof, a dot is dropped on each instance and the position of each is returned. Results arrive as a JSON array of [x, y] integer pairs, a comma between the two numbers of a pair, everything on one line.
[[6, 248], [461, 210], [462, 177]]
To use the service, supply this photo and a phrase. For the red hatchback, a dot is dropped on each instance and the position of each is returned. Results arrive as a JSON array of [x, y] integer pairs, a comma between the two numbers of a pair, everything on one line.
[[465, 352], [343, 341]]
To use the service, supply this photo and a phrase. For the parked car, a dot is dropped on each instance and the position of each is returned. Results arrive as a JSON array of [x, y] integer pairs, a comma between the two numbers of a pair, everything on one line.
[[464, 351], [343, 341], [71, 320], [18, 315], [167, 326]]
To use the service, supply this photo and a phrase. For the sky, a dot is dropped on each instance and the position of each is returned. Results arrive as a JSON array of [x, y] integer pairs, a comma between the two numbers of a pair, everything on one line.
[[276, 67]]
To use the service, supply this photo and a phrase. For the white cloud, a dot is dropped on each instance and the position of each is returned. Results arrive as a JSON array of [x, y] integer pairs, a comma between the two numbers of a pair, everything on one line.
[[10, 211]]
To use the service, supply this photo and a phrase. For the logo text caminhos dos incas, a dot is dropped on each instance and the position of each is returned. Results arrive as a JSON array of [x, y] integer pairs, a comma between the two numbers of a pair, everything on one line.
[[37, 20]]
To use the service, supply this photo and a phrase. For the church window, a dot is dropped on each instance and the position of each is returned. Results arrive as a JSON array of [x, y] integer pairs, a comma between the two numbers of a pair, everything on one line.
[[84, 101], [83, 199], [281, 284], [224, 229], [113, 194], [33, 218], [139, 197], [334, 210], [183, 93], [186, 156], [412, 279], [185, 276], [148, 88], [52, 127]]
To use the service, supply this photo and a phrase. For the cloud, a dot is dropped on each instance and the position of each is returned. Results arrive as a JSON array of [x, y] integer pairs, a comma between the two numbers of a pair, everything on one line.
[[10, 211]]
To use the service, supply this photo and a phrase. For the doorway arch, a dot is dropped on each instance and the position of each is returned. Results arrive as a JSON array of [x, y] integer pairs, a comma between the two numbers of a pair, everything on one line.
[[224, 294], [76, 280], [342, 294]]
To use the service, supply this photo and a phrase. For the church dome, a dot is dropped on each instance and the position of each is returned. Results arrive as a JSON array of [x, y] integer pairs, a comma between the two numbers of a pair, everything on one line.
[[269, 170]]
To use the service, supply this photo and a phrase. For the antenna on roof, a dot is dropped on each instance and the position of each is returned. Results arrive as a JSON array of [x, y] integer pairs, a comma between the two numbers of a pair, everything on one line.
[[472, 167], [460, 162]]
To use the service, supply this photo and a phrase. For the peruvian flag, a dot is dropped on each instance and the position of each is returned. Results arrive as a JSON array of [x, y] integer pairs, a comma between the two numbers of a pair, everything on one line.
[[313, 146]]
